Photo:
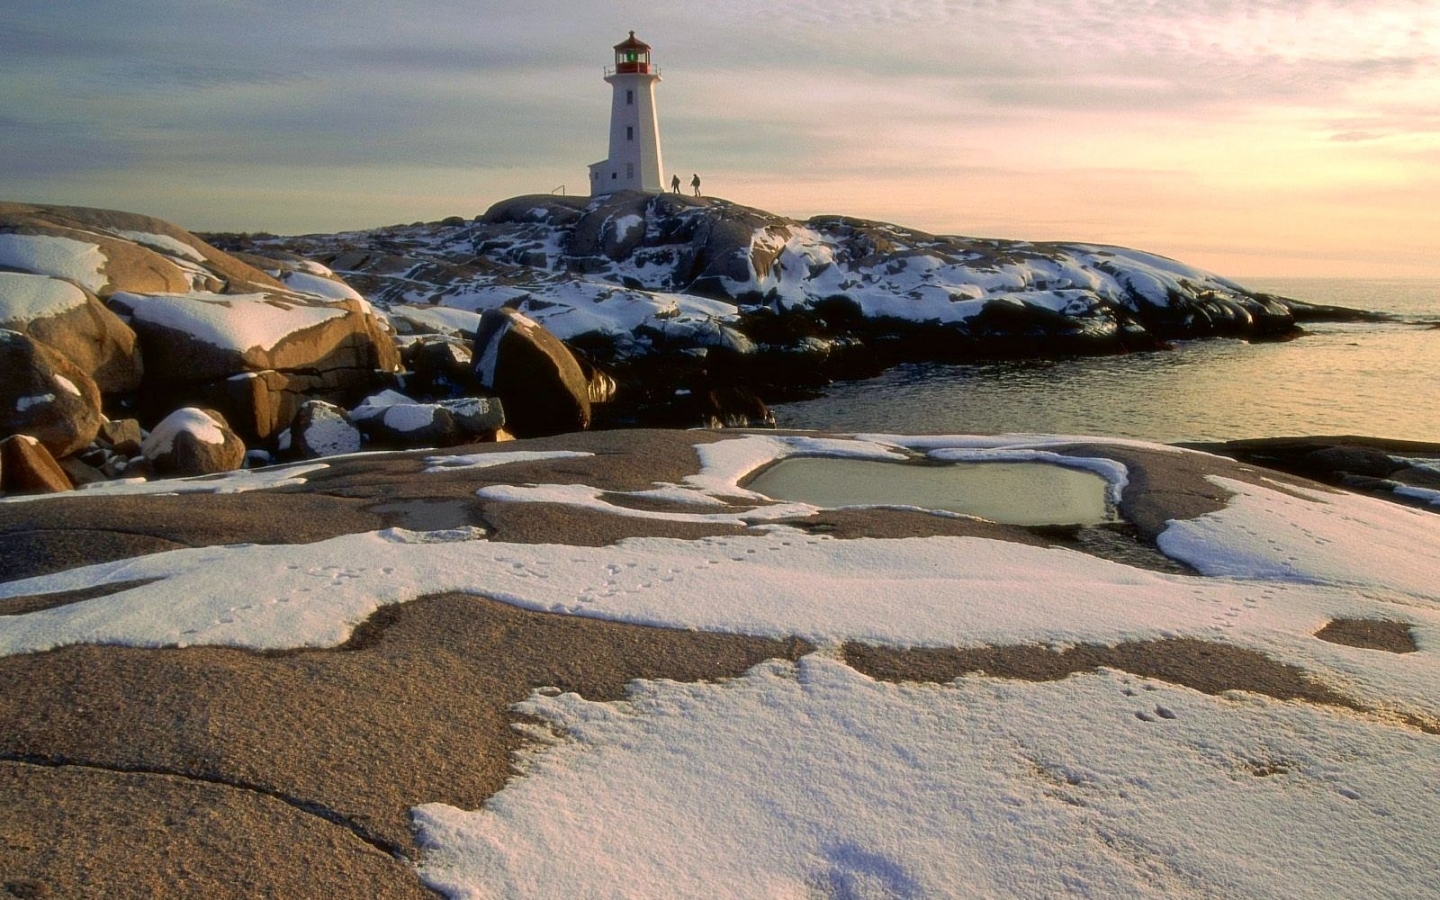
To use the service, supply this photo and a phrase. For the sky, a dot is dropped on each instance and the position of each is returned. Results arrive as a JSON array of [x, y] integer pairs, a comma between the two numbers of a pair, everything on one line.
[[1266, 138]]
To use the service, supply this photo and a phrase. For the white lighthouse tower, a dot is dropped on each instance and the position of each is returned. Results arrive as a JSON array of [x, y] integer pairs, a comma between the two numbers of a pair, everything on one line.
[[634, 162]]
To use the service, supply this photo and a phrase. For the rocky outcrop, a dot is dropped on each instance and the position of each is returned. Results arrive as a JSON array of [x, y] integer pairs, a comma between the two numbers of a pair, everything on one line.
[[539, 381], [193, 441], [663, 291], [45, 396], [147, 309]]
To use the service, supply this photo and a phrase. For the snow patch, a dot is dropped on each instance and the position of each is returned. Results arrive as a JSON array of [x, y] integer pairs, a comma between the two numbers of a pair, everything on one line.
[[407, 417], [58, 257], [237, 482], [25, 297], [66, 384], [1425, 495], [812, 780], [1293, 534], [238, 322], [25, 404], [328, 434], [319, 286], [438, 319], [166, 244]]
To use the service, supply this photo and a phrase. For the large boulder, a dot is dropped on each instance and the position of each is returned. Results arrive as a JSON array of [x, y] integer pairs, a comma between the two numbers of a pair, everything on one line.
[[541, 384], [71, 320], [26, 467], [199, 336], [193, 441], [44, 395]]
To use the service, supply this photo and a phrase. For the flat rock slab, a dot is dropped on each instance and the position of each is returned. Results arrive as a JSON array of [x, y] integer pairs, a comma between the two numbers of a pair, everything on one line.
[[223, 772]]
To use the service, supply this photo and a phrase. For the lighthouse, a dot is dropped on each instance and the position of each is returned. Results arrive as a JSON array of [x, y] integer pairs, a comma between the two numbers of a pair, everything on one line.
[[634, 161]]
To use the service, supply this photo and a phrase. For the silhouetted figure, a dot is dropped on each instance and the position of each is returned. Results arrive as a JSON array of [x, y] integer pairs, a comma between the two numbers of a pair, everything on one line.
[[695, 183], [675, 183]]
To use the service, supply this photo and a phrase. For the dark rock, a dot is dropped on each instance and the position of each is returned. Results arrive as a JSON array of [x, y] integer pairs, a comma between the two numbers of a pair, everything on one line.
[[441, 367], [80, 472], [26, 467], [600, 387], [722, 407], [536, 377], [46, 396], [476, 416], [1419, 476], [1344, 460], [122, 435], [134, 467], [193, 441]]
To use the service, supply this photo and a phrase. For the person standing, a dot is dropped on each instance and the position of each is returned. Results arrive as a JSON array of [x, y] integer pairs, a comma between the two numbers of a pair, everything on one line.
[[675, 183], [695, 183]]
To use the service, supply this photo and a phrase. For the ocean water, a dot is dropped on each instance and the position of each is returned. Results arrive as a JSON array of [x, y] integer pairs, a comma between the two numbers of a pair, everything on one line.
[[1377, 380]]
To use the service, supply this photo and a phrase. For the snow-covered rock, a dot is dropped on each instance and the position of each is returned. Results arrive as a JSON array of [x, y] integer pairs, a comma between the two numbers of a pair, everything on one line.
[[666, 291], [193, 441], [323, 429], [392, 420], [201, 336], [202, 316]]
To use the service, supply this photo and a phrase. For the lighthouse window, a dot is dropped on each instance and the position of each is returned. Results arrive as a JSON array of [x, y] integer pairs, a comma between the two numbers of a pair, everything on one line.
[[629, 98], [630, 170], [629, 132]]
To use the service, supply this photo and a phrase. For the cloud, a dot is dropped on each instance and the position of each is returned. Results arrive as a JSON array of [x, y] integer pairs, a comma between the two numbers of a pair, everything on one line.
[[842, 99]]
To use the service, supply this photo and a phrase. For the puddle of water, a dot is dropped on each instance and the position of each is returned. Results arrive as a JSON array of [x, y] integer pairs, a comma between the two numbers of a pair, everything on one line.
[[1028, 493], [426, 514]]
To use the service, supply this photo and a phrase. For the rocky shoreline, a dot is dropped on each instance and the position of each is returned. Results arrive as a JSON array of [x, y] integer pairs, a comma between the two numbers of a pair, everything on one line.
[[545, 315]]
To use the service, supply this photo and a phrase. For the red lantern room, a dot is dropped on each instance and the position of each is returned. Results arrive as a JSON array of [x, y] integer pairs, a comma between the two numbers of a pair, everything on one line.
[[632, 57]]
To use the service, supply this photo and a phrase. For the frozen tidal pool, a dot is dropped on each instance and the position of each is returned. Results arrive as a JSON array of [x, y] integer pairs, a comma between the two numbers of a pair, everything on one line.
[[1012, 493]]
